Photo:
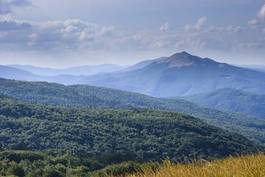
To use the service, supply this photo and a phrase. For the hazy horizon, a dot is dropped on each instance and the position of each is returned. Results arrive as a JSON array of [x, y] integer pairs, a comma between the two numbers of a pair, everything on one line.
[[124, 65]]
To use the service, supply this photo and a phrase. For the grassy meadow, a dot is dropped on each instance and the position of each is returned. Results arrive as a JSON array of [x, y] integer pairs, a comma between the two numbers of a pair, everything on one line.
[[245, 166]]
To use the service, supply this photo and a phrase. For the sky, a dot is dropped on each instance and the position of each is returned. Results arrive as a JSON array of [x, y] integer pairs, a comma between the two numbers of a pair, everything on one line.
[[60, 33]]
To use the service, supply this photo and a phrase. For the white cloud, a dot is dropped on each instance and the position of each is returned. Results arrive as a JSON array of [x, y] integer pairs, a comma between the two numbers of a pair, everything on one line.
[[45, 35], [233, 29], [198, 26], [253, 23], [261, 13], [165, 27], [259, 21], [200, 37], [200, 23], [77, 35]]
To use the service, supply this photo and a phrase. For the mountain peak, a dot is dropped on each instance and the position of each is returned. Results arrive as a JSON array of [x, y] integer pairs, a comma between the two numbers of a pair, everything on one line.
[[179, 59], [181, 54], [184, 53]]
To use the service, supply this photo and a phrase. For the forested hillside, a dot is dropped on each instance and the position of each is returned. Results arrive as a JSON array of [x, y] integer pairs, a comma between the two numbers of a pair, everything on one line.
[[233, 101], [139, 135], [97, 97]]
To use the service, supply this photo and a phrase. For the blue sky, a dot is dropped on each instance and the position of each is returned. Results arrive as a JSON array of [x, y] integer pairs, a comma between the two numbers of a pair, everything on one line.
[[60, 33]]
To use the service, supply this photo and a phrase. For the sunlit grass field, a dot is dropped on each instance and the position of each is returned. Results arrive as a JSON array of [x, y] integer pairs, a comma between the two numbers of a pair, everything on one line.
[[247, 166]]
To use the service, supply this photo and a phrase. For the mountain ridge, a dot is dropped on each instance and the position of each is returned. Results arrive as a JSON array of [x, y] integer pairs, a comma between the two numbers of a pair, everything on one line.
[[232, 100], [106, 131], [83, 96], [75, 70], [182, 74]]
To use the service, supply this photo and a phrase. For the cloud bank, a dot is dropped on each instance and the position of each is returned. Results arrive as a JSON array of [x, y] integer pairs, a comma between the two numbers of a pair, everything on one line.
[[7, 5], [50, 35], [77, 35], [261, 13]]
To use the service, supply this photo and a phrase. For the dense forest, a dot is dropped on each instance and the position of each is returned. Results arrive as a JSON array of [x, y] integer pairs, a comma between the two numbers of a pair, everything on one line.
[[117, 135], [53, 130], [146, 134], [97, 97]]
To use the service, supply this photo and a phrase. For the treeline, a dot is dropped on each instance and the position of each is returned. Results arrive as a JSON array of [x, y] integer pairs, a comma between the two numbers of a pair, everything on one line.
[[36, 164]]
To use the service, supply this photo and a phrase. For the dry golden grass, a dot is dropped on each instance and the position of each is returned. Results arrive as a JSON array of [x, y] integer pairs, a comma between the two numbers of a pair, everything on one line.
[[247, 166]]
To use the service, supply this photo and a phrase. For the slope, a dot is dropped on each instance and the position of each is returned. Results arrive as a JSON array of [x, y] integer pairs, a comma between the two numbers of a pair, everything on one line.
[[244, 166], [8, 72], [97, 97], [232, 100], [140, 135], [74, 71], [14, 73], [181, 74]]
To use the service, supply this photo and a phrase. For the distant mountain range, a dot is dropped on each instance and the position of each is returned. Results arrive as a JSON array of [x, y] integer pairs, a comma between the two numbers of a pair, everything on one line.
[[255, 67], [74, 71], [181, 74], [18, 74], [233, 101]]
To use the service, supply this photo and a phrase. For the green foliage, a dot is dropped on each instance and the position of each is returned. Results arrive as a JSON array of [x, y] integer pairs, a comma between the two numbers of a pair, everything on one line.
[[50, 166], [125, 168], [86, 135], [52, 173], [112, 136], [16, 170], [96, 97]]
